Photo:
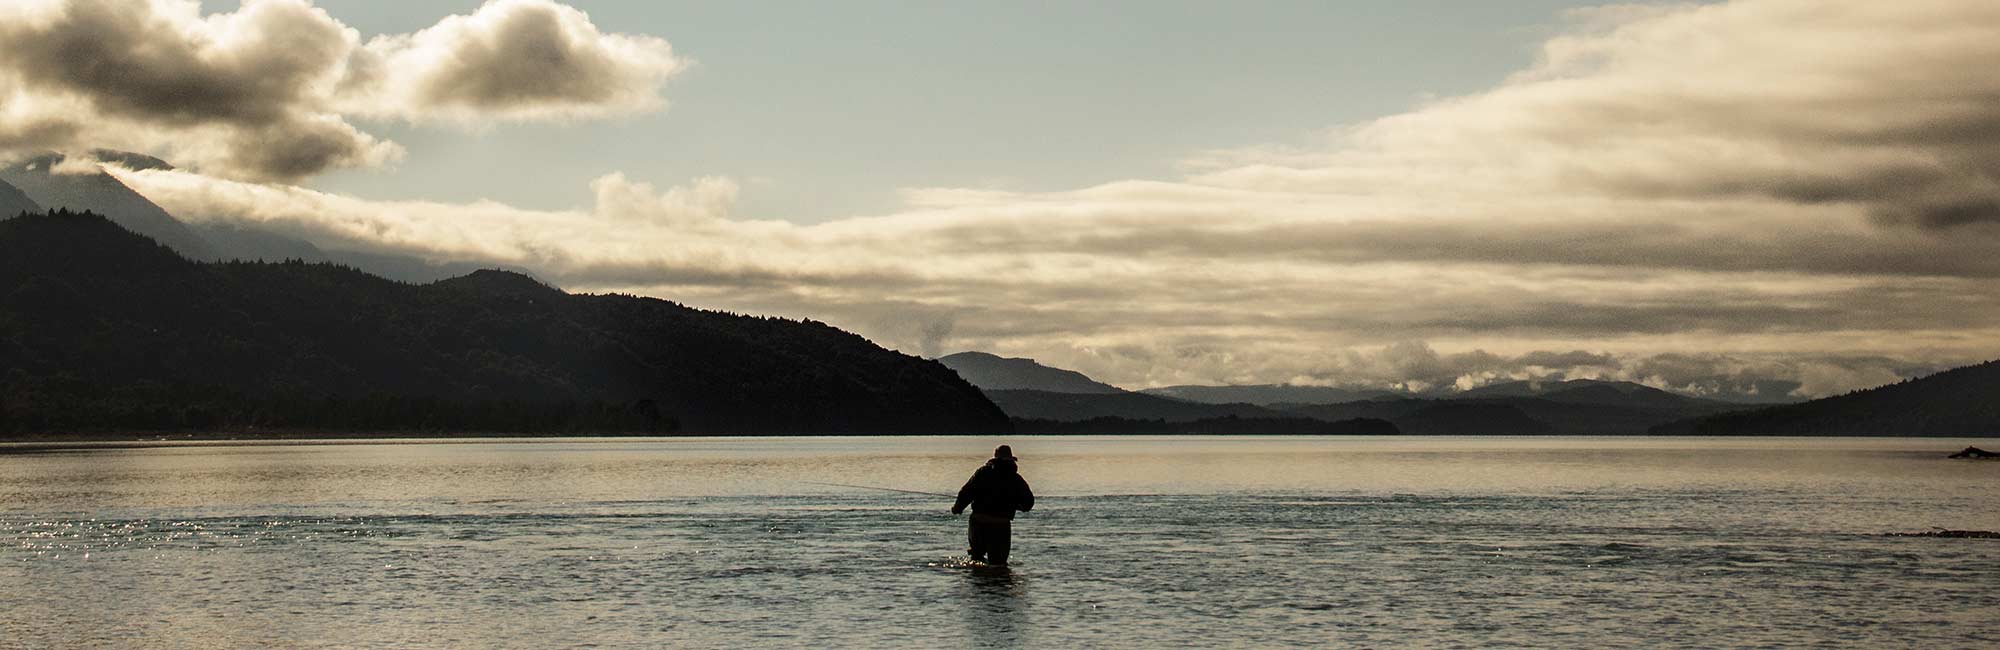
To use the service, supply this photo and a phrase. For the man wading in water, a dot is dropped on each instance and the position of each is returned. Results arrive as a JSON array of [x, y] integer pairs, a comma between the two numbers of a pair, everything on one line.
[[995, 492]]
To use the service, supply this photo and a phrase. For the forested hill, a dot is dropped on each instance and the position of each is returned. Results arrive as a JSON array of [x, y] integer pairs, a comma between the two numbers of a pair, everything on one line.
[[102, 329], [1960, 402]]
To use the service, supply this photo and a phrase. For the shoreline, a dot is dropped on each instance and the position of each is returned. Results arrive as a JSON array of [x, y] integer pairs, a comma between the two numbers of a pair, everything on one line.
[[99, 441], [112, 441]]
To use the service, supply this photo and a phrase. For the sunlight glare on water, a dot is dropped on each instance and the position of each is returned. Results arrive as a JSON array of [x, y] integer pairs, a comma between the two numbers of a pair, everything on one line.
[[1135, 542]]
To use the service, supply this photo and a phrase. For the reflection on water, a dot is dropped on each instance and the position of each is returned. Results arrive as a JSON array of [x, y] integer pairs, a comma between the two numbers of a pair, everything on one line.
[[994, 607], [1140, 542]]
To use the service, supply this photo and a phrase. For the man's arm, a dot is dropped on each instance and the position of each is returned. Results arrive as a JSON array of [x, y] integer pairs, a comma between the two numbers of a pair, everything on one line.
[[1027, 500], [966, 494]]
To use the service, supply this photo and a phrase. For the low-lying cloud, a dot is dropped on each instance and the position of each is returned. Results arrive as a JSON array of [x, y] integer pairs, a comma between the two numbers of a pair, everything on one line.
[[267, 92], [1749, 197], [1416, 366]]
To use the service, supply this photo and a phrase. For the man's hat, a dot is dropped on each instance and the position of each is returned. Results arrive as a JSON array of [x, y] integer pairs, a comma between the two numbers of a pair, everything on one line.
[[1004, 451]]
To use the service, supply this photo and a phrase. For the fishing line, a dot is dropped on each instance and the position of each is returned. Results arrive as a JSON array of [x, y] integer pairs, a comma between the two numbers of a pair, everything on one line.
[[884, 489]]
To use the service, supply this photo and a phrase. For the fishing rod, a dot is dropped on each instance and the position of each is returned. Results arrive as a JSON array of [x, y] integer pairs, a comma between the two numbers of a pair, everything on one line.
[[884, 489]]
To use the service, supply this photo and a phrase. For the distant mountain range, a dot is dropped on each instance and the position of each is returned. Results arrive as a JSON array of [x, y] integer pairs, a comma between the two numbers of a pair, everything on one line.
[[1036, 396], [1959, 402], [1045, 400], [1965, 401], [992, 372], [103, 329], [38, 182], [1590, 391], [1268, 394], [14, 202], [1559, 414], [1074, 407]]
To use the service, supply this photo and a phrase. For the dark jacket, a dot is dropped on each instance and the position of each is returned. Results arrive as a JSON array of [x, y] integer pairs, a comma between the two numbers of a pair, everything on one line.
[[996, 489]]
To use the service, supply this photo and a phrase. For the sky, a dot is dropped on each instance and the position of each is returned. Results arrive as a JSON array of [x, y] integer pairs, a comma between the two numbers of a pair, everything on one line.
[[1755, 196], [830, 108]]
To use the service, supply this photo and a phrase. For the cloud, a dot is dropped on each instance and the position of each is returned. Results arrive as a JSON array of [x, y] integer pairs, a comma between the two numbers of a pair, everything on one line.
[[913, 328], [241, 93], [158, 62], [1752, 197], [1415, 365], [1883, 107], [625, 227], [1771, 377], [266, 92], [515, 60], [706, 200]]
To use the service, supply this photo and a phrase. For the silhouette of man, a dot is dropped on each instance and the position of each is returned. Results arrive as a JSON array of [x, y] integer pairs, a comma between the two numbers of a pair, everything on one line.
[[995, 493]]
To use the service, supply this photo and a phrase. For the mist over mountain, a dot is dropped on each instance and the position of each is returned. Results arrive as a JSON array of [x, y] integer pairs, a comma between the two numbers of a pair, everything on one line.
[[47, 184], [405, 268], [44, 179], [1572, 390], [252, 245], [1513, 415], [1574, 407], [103, 329], [992, 372], [1076, 407], [1065, 401], [1592, 391], [1959, 402], [1268, 394]]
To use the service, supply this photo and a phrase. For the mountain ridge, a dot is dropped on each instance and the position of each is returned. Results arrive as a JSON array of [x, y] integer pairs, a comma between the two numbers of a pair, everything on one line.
[[994, 372], [200, 240], [101, 193], [15, 202], [101, 328]]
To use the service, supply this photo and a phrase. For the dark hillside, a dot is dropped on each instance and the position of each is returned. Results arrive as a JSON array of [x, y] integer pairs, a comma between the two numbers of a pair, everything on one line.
[[1472, 417], [1959, 402], [104, 329]]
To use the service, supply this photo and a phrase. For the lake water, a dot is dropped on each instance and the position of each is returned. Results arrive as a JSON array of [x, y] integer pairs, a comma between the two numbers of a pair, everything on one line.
[[1135, 543]]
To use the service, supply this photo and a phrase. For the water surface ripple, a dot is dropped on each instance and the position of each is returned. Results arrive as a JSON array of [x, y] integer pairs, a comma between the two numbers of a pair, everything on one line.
[[1436, 543]]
